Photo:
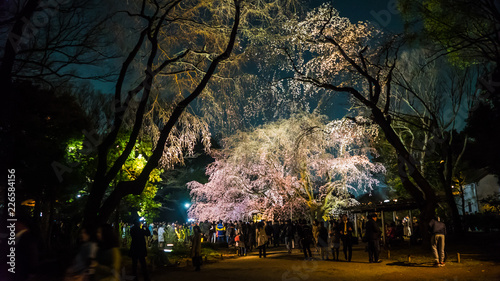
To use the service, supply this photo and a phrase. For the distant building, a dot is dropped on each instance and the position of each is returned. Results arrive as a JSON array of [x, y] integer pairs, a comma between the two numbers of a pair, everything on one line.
[[475, 191]]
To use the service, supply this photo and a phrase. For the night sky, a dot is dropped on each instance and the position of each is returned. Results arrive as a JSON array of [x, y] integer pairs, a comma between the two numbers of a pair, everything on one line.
[[379, 12]]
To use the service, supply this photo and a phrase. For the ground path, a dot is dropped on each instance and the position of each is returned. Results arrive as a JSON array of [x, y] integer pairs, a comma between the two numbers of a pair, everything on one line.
[[279, 265]]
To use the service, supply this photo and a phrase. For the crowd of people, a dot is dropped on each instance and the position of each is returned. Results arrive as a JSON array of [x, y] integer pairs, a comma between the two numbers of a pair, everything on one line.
[[326, 238], [99, 256]]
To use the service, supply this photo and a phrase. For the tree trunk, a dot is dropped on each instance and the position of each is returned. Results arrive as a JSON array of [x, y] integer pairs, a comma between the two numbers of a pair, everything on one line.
[[427, 213], [420, 189], [445, 175]]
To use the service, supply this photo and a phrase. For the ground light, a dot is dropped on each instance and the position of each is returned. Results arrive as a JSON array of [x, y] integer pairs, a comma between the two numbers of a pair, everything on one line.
[[169, 248]]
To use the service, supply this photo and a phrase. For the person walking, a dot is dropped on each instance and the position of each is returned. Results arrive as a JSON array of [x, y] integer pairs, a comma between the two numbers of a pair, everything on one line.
[[138, 251], [346, 237], [230, 233], [373, 234], [262, 239], [108, 258], [438, 230], [82, 266]]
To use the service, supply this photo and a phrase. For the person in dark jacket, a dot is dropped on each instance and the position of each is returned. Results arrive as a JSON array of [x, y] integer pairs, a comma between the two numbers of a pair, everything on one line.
[[335, 239], [306, 237], [438, 230], [196, 248], [323, 241], [346, 236], [138, 251], [276, 234], [373, 234], [269, 232], [262, 239]]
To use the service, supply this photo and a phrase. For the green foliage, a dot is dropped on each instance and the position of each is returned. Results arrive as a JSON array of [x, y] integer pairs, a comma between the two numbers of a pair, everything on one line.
[[145, 204], [83, 163]]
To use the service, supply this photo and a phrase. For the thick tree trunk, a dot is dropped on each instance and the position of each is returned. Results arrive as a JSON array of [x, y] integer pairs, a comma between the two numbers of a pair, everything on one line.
[[445, 176], [93, 204], [427, 213], [420, 189]]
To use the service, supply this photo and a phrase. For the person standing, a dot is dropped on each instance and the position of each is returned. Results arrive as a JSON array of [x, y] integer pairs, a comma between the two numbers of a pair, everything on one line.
[[315, 232], [161, 236], [269, 232], [220, 230], [252, 240], [196, 248], [154, 239], [289, 235], [306, 238], [335, 239], [230, 233], [240, 240], [438, 230], [213, 232], [323, 241], [346, 237], [151, 236], [205, 230], [373, 234], [407, 227], [138, 251], [262, 239], [276, 234]]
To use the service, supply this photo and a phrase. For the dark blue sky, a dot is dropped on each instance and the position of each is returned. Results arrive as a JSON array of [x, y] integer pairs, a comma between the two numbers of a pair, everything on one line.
[[381, 12]]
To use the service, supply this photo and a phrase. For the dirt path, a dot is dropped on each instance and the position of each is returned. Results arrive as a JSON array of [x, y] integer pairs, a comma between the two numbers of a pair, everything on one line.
[[281, 266]]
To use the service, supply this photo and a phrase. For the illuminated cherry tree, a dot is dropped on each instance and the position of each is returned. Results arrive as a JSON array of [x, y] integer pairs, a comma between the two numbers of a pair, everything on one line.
[[330, 53], [303, 167]]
